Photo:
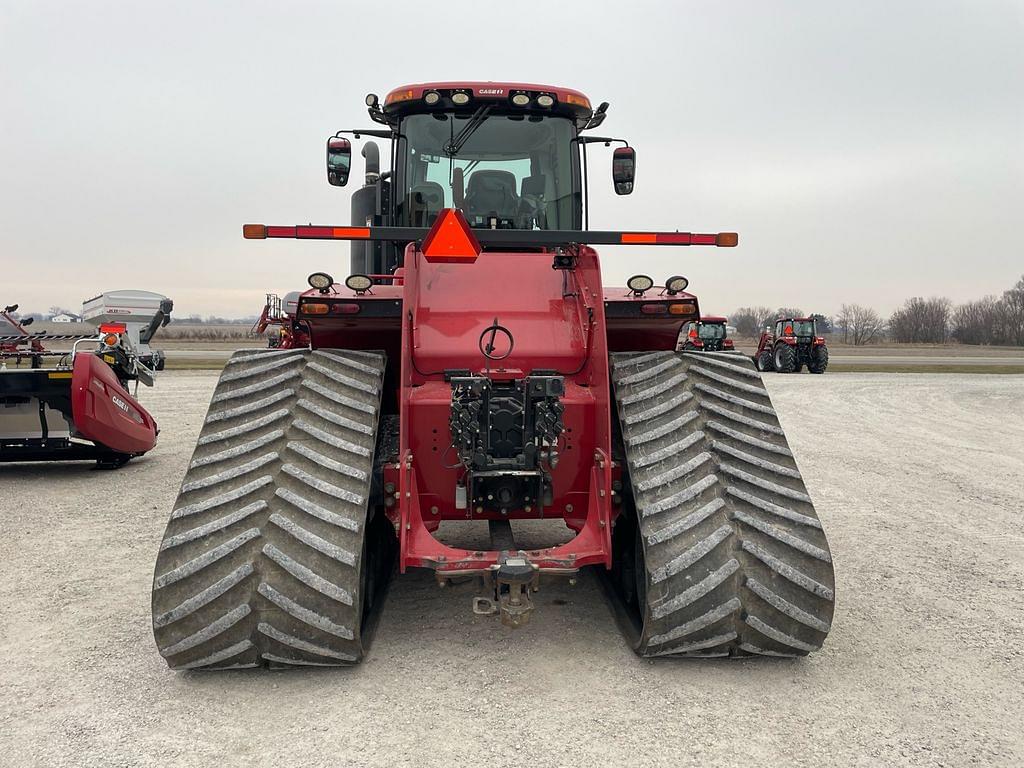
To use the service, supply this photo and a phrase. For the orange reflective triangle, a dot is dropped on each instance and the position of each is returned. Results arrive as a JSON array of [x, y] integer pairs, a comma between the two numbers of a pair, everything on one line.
[[451, 239]]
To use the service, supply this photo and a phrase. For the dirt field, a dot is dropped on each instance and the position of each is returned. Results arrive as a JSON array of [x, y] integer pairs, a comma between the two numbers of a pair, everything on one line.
[[919, 480]]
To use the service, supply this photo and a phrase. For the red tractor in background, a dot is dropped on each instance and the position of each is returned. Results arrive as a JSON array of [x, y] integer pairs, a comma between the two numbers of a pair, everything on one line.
[[279, 322], [473, 370], [708, 334], [789, 345]]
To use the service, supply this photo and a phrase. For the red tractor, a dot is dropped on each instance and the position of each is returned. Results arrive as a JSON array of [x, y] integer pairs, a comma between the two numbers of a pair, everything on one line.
[[279, 322], [708, 334], [472, 369], [789, 345]]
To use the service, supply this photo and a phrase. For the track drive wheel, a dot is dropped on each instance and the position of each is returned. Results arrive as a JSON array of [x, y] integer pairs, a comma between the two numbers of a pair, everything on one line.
[[275, 554], [719, 551]]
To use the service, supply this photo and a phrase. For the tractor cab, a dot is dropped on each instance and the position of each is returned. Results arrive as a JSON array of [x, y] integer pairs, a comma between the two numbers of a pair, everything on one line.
[[508, 156], [709, 334]]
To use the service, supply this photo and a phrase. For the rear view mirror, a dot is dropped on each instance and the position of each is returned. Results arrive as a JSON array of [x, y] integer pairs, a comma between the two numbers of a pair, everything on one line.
[[623, 169], [27, 321], [339, 161]]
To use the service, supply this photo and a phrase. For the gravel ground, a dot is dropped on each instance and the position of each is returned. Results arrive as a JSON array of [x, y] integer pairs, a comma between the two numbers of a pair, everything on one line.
[[919, 480]]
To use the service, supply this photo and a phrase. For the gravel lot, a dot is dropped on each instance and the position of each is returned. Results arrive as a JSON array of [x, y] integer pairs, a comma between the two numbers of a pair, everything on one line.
[[919, 480]]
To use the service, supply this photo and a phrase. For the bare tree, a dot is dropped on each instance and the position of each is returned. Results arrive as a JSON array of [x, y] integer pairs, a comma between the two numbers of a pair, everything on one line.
[[749, 321], [789, 312], [1013, 314], [921, 321], [978, 322], [860, 325]]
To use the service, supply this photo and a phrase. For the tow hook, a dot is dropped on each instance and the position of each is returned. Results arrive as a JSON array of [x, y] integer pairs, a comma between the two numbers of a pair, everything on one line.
[[514, 578]]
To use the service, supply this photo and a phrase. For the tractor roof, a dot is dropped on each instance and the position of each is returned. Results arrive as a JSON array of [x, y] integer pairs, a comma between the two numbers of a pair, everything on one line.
[[713, 319], [409, 98]]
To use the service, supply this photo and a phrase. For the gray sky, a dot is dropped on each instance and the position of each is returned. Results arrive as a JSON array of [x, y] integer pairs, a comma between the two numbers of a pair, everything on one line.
[[866, 151]]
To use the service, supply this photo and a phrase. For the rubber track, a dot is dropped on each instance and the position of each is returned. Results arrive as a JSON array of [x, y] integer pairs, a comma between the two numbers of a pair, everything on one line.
[[259, 565], [737, 562]]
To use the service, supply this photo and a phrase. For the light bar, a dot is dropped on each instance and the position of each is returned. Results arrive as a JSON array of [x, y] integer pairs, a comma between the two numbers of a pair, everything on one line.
[[494, 237]]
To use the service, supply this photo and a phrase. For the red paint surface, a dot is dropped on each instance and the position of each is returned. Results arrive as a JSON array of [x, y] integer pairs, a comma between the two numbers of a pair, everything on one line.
[[103, 410]]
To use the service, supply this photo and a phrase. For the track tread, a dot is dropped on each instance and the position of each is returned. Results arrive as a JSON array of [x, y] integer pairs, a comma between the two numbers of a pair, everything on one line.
[[260, 564], [737, 563]]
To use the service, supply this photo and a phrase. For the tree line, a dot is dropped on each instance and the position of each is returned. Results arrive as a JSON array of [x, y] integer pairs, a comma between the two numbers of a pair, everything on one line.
[[990, 320]]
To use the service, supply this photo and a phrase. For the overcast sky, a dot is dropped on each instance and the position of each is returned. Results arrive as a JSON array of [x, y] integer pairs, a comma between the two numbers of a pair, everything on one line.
[[865, 151]]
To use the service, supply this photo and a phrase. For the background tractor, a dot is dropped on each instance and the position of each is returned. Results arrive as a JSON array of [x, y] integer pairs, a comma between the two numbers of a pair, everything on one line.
[[279, 322], [705, 335], [472, 369], [789, 345]]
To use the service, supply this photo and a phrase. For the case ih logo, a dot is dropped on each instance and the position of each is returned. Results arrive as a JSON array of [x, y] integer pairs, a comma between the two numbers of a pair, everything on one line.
[[120, 403], [491, 91]]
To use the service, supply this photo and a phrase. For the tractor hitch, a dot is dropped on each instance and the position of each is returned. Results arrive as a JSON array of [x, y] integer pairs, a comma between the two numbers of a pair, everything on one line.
[[509, 582]]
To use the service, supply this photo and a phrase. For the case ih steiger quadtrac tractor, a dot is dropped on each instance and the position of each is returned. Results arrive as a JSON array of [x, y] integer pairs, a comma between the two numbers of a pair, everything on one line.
[[80, 408], [791, 344], [473, 368], [705, 335]]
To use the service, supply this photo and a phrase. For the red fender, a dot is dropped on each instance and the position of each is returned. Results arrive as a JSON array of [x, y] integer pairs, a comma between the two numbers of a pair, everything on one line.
[[103, 410]]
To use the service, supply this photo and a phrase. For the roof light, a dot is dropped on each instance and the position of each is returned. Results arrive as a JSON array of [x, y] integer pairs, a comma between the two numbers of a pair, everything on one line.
[[579, 101], [638, 284], [371, 100], [726, 239], [358, 283], [321, 281], [676, 284], [545, 100], [315, 308], [432, 97], [396, 96], [521, 99], [460, 97], [254, 232]]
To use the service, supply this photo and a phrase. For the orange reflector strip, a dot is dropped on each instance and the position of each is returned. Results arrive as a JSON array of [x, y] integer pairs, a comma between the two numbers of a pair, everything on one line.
[[61, 375], [254, 231], [637, 238], [681, 309], [727, 239], [350, 233], [113, 328], [451, 240], [314, 308]]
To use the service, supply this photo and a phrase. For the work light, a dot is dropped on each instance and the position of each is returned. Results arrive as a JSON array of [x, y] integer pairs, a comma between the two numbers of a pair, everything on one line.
[[321, 281], [460, 98], [676, 284], [521, 99], [639, 283], [544, 100], [358, 283]]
